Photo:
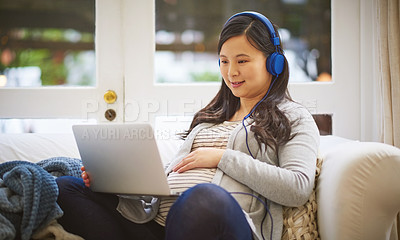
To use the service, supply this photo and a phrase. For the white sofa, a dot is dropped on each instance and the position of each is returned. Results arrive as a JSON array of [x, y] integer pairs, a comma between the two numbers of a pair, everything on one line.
[[358, 191]]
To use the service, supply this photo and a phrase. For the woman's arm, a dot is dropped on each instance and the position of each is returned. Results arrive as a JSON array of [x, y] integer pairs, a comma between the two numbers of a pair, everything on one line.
[[291, 182]]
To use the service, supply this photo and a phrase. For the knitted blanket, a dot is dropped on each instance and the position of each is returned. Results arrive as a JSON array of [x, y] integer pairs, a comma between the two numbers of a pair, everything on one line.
[[28, 195], [62, 166]]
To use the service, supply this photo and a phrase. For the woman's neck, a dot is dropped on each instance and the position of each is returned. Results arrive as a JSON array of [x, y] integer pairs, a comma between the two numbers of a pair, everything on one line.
[[245, 107]]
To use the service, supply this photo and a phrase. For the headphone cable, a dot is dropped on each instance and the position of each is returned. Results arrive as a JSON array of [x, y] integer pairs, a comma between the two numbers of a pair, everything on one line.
[[252, 110], [248, 148], [265, 215]]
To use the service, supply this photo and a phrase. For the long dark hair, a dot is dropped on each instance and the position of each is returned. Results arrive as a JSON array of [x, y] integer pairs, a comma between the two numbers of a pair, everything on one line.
[[271, 126]]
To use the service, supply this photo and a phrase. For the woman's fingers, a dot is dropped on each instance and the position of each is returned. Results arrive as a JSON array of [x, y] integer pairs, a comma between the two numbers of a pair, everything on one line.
[[188, 166], [85, 178], [188, 159], [201, 157], [87, 182]]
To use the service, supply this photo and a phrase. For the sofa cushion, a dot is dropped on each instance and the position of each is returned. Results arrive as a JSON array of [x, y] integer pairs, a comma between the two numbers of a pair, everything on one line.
[[301, 222], [34, 147]]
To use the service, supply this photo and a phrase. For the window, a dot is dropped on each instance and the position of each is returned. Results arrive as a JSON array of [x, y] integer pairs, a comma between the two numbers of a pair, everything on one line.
[[61, 34], [187, 35], [47, 43]]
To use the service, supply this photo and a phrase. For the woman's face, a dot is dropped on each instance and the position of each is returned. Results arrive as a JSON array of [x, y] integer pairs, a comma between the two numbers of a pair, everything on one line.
[[243, 68]]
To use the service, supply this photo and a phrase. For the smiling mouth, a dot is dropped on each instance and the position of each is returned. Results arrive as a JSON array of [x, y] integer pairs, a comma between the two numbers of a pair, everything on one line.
[[237, 84]]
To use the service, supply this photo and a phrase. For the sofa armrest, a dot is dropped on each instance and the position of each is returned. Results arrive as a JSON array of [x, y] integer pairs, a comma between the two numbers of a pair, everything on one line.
[[358, 191]]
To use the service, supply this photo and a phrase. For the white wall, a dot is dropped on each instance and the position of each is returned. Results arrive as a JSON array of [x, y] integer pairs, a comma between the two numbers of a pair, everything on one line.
[[368, 77]]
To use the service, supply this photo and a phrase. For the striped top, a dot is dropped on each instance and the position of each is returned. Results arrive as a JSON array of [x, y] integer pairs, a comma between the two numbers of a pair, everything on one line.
[[214, 137]]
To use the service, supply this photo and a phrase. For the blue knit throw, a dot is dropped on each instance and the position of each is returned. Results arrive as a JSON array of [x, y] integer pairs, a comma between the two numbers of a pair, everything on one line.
[[62, 166], [28, 195]]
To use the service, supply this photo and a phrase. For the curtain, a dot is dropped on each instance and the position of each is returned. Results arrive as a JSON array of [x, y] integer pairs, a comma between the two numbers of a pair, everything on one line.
[[387, 39], [387, 54]]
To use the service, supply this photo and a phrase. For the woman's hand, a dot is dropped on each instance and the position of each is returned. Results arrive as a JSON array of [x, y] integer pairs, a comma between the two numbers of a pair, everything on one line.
[[200, 158], [85, 177]]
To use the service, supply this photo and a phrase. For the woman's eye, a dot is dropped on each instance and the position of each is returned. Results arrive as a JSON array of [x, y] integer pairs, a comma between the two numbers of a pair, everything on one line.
[[242, 61], [224, 61]]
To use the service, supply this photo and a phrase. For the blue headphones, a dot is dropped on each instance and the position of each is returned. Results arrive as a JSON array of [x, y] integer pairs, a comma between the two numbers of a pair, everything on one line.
[[275, 61]]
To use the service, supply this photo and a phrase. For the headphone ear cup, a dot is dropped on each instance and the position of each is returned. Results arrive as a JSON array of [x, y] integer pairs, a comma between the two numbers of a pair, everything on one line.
[[275, 63]]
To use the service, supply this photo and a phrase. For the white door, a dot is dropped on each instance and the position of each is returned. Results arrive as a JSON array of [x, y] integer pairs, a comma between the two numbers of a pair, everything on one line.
[[78, 102]]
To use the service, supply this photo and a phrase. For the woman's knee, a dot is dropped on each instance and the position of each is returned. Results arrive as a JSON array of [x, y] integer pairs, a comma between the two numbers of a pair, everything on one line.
[[207, 187], [68, 184], [207, 210], [65, 181], [208, 199]]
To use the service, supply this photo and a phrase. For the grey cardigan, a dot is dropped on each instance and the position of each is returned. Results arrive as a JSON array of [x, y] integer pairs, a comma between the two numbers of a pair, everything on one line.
[[283, 179]]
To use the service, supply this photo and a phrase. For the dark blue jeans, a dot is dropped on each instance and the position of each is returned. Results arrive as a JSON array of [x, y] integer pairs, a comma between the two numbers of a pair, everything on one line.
[[93, 215], [205, 211]]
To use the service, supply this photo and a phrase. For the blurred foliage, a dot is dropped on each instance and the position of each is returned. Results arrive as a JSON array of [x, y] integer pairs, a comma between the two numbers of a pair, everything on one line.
[[308, 21], [53, 70], [51, 62], [206, 77], [44, 33]]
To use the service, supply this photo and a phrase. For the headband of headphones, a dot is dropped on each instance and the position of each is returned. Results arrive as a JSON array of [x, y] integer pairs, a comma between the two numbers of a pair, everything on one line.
[[276, 61], [274, 37]]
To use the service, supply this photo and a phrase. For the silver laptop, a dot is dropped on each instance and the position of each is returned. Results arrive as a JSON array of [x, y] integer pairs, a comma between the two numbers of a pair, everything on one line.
[[122, 159]]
